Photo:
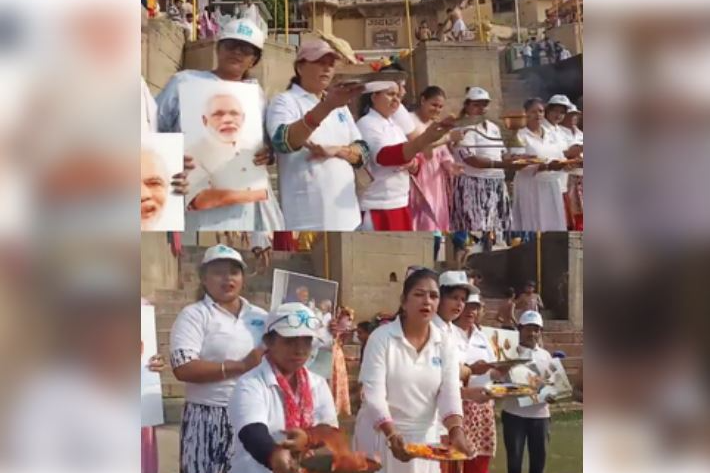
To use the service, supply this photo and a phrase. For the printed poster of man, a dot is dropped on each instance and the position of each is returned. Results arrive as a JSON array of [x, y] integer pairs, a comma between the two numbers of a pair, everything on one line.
[[223, 127], [321, 296], [161, 158]]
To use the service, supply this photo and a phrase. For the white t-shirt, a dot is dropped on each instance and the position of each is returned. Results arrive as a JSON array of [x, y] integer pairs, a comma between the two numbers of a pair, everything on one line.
[[208, 332], [404, 120], [542, 359], [257, 399], [573, 137], [407, 387], [472, 138], [315, 194], [390, 187], [527, 50], [472, 349]]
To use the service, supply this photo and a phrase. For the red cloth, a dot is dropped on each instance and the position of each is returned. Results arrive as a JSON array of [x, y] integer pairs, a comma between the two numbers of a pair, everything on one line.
[[392, 156], [392, 220], [284, 241], [477, 465], [175, 241], [299, 415]]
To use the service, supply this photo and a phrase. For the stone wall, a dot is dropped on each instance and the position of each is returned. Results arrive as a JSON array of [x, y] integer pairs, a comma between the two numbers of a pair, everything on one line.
[[371, 266], [455, 66], [159, 268], [273, 71], [532, 12], [161, 52]]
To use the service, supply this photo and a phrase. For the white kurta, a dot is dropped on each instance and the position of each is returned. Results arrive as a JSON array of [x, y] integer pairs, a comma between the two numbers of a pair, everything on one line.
[[315, 194], [537, 196], [407, 388]]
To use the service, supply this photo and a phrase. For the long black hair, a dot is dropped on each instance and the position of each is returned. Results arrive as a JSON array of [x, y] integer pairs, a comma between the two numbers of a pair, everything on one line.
[[431, 92], [296, 79]]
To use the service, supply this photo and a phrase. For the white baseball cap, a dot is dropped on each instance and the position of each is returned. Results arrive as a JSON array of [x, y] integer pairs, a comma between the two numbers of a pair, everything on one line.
[[456, 279], [530, 317], [477, 93], [294, 320], [379, 86], [573, 109], [218, 252], [474, 299], [243, 30], [560, 100]]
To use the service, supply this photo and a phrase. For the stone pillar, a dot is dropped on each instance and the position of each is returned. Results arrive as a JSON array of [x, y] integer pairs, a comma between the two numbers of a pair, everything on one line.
[[576, 280], [325, 9], [455, 66]]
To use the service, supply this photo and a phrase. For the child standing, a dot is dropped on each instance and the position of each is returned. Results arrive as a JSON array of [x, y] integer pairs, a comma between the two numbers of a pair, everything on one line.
[[506, 312]]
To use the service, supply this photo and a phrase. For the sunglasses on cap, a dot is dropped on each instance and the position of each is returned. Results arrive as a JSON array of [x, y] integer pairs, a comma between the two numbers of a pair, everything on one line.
[[235, 45], [297, 320]]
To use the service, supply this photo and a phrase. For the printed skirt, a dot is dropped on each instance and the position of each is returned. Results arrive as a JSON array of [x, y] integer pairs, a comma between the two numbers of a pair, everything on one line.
[[206, 439], [479, 425], [480, 204]]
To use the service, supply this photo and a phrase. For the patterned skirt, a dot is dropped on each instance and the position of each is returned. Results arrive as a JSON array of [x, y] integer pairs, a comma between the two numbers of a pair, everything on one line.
[[480, 204], [339, 384], [575, 196], [206, 439], [479, 425]]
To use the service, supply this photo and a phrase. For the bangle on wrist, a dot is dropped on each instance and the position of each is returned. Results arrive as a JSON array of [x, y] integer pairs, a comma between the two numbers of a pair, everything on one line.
[[310, 122], [224, 371]]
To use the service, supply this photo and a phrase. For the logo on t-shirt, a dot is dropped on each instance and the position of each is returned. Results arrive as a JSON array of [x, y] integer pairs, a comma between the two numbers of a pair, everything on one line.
[[341, 117], [257, 323], [436, 361]]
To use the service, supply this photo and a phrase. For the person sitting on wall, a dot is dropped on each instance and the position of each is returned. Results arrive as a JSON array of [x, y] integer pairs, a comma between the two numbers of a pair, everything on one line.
[[423, 33]]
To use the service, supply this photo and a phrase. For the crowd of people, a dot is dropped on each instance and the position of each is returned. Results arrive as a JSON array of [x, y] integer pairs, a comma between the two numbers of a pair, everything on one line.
[[391, 169], [252, 402], [532, 52]]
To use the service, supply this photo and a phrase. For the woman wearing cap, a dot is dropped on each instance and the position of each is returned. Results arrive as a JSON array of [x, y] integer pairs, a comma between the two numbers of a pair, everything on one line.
[[317, 144], [538, 203], [529, 424], [575, 194], [212, 343], [480, 197], [409, 372], [454, 289], [476, 354], [239, 49], [281, 394], [385, 202], [429, 199]]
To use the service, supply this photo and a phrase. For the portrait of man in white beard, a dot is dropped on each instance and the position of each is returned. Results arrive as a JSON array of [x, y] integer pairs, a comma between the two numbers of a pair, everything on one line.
[[223, 118], [162, 209]]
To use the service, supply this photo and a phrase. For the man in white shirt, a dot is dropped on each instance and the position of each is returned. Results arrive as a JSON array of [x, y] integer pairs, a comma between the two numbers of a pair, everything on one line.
[[530, 423]]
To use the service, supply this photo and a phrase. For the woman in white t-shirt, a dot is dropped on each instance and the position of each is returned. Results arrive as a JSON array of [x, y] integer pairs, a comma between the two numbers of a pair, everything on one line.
[[575, 185], [480, 199], [317, 144], [281, 394], [385, 202], [212, 343], [409, 373], [476, 354], [538, 203]]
